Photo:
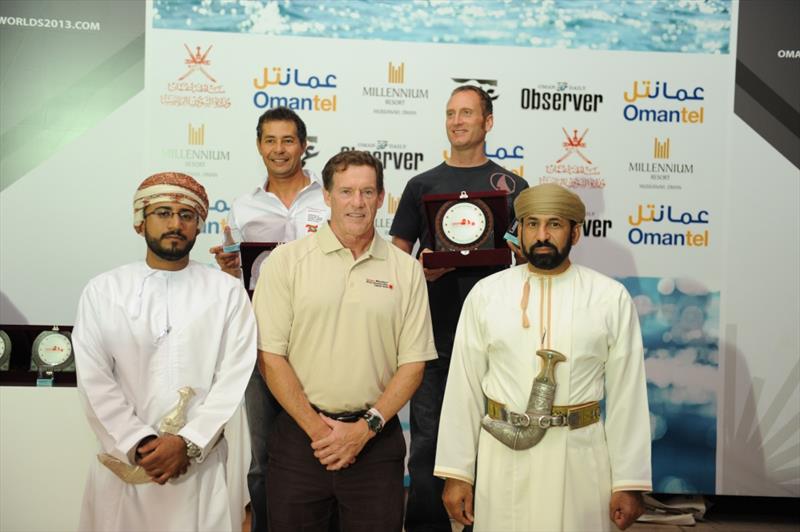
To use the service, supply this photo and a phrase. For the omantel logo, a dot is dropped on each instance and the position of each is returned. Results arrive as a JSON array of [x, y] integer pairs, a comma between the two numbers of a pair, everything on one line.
[[649, 101], [196, 87], [311, 148], [510, 157], [666, 225], [573, 168], [290, 86], [503, 156], [216, 226]]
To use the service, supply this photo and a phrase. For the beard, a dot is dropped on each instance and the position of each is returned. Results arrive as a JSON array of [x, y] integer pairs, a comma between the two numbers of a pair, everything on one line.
[[547, 261], [170, 252]]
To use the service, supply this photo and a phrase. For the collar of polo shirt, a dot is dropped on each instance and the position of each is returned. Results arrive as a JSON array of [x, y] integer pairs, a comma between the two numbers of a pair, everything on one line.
[[328, 243]]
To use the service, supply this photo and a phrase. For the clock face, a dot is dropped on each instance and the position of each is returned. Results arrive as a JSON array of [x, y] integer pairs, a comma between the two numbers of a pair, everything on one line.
[[54, 349], [464, 225]]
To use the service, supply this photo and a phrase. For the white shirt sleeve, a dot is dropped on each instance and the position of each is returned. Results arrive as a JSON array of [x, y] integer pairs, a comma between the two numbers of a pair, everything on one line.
[[234, 367], [463, 407], [627, 422], [110, 413]]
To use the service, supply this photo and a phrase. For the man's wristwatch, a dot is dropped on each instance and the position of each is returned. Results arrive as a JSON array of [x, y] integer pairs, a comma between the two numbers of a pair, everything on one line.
[[192, 449], [374, 420]]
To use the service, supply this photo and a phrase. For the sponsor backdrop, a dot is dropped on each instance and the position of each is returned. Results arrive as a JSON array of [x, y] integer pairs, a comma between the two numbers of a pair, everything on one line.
[[639, 135], [629, 104]]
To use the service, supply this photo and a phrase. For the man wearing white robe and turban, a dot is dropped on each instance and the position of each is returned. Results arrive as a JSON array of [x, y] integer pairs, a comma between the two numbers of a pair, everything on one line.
[[164, 348], [536, 348]]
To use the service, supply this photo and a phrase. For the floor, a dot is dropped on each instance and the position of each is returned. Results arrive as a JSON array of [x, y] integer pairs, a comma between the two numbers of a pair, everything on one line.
[[726, 514], [753, 523], [739, 514]]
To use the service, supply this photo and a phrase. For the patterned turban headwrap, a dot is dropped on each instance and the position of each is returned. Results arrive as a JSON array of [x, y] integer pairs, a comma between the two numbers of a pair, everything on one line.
[[169, 187], [550, 198]]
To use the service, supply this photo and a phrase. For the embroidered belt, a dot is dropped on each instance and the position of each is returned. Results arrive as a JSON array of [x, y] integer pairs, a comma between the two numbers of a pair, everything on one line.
[[572, 416]]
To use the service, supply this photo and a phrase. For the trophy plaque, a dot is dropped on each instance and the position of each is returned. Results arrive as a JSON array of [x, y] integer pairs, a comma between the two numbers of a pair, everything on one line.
[[5, 350], [467, 229], [51, 352], [42, 355], [253, 256]]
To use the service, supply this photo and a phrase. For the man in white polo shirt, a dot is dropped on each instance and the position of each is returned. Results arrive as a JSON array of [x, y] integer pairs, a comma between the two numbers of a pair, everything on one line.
[[288, 206], [344, 334]]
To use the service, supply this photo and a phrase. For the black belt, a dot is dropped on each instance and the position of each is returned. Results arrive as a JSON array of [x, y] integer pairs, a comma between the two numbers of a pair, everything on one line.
[[344, 417]]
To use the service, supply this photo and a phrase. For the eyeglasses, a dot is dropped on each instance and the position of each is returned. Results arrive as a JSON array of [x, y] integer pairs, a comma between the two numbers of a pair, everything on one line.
[[164, 214]]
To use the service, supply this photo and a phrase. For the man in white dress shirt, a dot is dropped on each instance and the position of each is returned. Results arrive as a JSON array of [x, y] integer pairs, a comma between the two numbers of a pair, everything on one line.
[[581, 473], [143, 332], [289, 204]]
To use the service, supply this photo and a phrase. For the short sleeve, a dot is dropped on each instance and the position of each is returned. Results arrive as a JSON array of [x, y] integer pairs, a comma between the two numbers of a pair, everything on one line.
[[273, 305], [416, 338]]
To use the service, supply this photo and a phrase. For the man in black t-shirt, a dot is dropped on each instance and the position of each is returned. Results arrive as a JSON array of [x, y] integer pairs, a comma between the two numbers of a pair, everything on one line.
[[469, 119]]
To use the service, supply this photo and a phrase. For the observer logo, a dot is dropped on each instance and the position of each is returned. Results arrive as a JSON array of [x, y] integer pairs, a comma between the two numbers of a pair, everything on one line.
[[596, 227], [560, 96], [393, 156]]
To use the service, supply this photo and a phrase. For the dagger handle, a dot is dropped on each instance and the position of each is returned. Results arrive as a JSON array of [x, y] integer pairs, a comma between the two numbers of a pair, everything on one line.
[[549, 360]]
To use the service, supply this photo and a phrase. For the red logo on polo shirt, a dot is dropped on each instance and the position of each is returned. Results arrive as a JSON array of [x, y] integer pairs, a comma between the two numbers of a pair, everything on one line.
[[380, 284]]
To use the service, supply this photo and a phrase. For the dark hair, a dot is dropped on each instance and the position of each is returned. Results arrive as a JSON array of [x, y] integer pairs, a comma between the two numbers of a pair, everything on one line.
[[486, 101], [343, 160], [283, 114]]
